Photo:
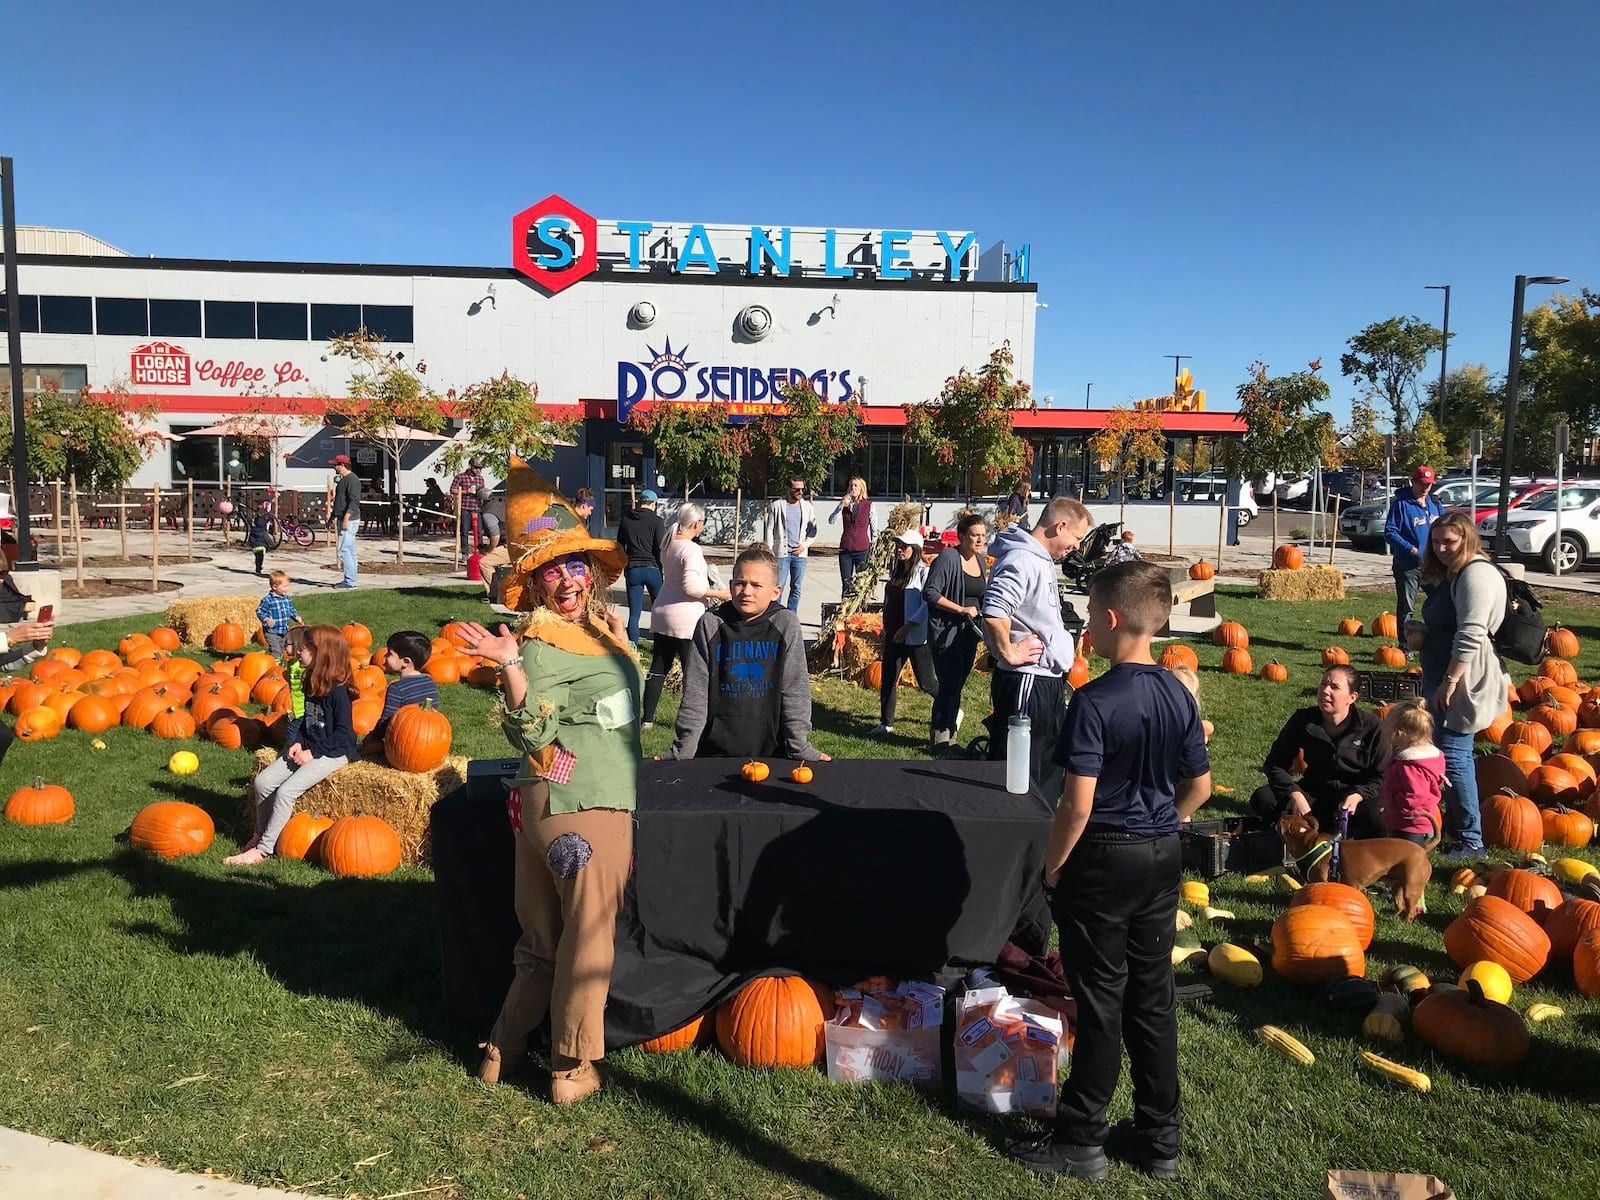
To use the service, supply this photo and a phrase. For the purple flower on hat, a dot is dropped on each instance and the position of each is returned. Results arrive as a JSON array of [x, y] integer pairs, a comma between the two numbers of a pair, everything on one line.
[[539, 524]]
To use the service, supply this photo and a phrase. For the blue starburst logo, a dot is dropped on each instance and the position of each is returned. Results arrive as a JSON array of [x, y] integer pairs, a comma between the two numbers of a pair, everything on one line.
[[667, 358]]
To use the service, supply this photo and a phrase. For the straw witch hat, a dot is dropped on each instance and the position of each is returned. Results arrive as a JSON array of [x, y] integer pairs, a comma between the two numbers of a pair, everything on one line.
[[542, 525]]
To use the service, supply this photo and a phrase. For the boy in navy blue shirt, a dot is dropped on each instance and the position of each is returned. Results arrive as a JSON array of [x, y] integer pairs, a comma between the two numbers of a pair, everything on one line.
[[1136, 768]]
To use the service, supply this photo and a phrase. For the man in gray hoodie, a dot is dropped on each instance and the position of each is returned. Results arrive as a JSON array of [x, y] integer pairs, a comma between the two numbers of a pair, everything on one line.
[[1029, 646]]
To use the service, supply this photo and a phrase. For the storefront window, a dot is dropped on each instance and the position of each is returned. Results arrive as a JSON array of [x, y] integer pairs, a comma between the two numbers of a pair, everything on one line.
[[175, 318], [196, 458]]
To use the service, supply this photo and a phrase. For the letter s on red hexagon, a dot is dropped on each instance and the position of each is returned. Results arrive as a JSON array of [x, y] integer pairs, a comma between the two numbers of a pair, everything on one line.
[[586, 260]]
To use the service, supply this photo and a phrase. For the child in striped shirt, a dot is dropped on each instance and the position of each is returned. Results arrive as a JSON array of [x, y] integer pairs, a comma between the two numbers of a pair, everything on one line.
[[407, 653]]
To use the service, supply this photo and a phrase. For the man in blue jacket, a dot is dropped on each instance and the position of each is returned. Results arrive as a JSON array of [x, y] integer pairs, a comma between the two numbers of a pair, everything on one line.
[[1411, 514]]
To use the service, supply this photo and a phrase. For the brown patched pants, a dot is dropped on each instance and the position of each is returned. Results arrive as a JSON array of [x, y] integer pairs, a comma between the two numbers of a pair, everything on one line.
[[570, 873]]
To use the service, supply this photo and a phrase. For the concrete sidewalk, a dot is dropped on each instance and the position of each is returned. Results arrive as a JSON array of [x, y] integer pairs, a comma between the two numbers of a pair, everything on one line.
[[35, 1168]]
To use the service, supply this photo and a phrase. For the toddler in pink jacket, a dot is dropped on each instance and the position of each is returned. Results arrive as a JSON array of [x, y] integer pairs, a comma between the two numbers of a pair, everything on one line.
[[1414, 776]]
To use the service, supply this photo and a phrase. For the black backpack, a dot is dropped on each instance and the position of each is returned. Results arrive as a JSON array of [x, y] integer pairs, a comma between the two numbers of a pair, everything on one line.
[[1521, 635]]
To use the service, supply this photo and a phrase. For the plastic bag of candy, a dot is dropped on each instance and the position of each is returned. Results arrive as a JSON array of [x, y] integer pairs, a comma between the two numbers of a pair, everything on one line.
[[1008, 1053]]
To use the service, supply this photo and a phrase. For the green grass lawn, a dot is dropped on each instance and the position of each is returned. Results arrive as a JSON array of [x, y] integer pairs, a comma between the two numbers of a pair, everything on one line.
[[283, 1027]]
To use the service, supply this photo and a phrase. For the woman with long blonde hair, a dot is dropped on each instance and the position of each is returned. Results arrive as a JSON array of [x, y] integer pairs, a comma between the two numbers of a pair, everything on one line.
[[859, 530], [1462, 674]]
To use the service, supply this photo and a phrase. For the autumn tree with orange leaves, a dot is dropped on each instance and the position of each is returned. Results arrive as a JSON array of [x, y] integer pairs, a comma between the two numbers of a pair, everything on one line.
[[970, 428]]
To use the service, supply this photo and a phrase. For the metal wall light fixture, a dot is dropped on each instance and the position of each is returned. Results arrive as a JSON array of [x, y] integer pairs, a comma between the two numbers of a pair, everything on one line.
[[642, 315]]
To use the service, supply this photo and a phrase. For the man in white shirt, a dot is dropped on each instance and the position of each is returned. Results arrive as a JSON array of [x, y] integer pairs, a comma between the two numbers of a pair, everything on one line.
[[791, 524]]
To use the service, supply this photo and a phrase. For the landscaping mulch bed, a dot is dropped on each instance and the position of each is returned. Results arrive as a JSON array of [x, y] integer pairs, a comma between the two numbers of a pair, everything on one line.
[[100, 589]]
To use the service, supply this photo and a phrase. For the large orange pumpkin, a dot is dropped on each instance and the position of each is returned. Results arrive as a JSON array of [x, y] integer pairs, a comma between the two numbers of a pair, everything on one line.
[[1568, 925], [40, 803], [1533, 894], [165, 639], [1553, 785], [1176, 654], [1495, 929], [1529, 733], [1313, 944], [254, 665], [173, 723], [300, 834], [444, 668], [69, 656], [1350, 902], [1563, 697], [1581, 767], [47, 670], [1586, 739], [37, 724], [1237, 662], [1288, 557], [232, 731], [1512, 822], [1526, 757], [93, 714], [146, 705], [357, 636], [681, 1038], [1559, 721], [172, 829], [1559, 671], [1533, 689], [1497, 728], [1275, 672], [1350, 627], [1562, 826], [774, 1022], [228, 637], [99, 662], [359, 845], [131, 643], [1465, 1024], [28, 696], [63, 702], [1231, 634], [370, 679], [418, 738], [872, 677]]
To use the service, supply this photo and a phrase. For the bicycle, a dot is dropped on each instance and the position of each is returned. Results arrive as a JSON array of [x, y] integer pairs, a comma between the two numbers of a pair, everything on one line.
[[286, 528]]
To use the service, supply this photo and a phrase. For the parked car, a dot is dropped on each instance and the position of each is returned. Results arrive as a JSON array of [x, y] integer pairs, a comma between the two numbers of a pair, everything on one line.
[[1212, 486], [1488, 504], [1294, 490], [1531, 529], [1363, 523]]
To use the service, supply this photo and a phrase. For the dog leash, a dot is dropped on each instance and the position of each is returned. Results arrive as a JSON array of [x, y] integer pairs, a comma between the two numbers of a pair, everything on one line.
[[1338, 839]]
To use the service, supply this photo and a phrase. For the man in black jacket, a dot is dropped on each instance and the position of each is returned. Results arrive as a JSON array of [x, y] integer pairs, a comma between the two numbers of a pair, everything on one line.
[[641, 534], [1343, 754], [346, 517]]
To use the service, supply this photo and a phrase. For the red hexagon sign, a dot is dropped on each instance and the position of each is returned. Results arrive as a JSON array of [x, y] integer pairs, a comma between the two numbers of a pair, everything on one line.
[[542, 243]]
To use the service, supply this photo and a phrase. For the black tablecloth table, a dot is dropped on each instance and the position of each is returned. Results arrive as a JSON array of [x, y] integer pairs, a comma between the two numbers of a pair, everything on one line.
[[876, 867]]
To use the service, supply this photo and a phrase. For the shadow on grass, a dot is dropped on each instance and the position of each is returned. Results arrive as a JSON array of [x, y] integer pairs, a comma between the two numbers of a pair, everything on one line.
[[373, 941], [724, 1127], [37, 872], [463, 591]]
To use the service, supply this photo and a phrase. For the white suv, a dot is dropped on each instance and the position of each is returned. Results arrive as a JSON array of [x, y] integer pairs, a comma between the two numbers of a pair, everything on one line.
[[1531, 528]]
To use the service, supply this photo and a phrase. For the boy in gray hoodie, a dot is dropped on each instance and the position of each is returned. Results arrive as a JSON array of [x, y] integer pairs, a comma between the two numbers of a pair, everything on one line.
[[1029, 646]]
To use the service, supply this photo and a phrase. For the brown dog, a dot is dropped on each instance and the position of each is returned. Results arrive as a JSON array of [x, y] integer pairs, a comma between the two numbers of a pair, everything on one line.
[[1364, 861]]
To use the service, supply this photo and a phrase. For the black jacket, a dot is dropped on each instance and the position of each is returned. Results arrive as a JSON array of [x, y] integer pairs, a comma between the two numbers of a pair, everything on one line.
[[1350, 759], [641, 533]]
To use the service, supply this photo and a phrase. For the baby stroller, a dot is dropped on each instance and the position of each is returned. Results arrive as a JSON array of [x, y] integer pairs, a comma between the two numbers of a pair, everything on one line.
[[1092, 553]]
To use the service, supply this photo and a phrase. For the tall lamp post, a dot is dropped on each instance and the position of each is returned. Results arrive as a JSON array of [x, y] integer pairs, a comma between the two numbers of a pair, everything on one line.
[[19, 441], [1508, 438], [1177, 360], [1087, 388], [1444, 346]]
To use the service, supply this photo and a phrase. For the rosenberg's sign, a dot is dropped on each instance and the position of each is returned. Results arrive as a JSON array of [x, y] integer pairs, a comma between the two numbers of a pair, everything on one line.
[[555, 243], [669, 375]]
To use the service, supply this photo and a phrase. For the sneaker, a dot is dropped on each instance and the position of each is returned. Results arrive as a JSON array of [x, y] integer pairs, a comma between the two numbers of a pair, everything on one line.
[[961, 715], [647, 725], [879, 730], [1045, 1156], [344, 587]]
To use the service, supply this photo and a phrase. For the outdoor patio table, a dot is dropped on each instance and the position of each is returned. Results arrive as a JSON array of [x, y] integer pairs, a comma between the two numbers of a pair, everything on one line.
[[876, 867]]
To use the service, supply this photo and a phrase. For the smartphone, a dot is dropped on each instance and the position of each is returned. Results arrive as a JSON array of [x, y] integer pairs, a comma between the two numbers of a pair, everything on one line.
[[47, 614]]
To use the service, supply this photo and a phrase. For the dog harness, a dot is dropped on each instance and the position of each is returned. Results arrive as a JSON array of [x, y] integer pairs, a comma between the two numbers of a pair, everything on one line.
[[1329, 848]]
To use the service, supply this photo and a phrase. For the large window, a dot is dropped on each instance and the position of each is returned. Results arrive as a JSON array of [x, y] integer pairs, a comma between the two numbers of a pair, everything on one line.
[[57, 378], [175, 318], [230, 319], [391, 322], [29, 308], [66, 314], [280, 322], [122, 316], [329, 321]]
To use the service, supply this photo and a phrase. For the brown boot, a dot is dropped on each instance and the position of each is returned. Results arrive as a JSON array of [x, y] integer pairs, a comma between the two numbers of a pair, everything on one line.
[[570, 1086], [489, 1068]]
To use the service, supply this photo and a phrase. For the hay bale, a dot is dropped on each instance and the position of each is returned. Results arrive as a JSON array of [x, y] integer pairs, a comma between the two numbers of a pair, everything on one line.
[[195, 618], [1320, 581], [401, 798]]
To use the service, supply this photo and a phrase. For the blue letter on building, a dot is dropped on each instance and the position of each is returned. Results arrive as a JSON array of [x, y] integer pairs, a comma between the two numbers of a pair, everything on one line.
[[635, 230], [956, 255], [704, 255], [894, 251], [829, 267], [761, 247], [560, 252]]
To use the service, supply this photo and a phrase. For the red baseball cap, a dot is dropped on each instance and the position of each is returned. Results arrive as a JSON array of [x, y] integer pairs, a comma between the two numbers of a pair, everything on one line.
[[343, 460], [1425, 474]]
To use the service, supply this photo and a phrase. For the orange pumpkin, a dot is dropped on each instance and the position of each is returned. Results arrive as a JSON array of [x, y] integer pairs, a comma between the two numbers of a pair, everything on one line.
[[1202, 570], [165, 639], [364, 714], [131, 643], [1586, 964], [755, 771], [1533, 894], [67, 656], [872, 677], [681, 1038], [1497, 728], [37, 724], [29, 696], [1562, 643], [1533, 734], [418, 738], [444, 668], [173, 723], [1559, 721], [206, 704], [63, 702], [1559, 671], [1346, 900], [1526, 757], [1314, 944], [267, 688], [1512, 822], [93, 714], [1565, 827], [1387, 625], [774, 1022], [233, 731], [40, 804], [1176, 654], [1350, 627], [1568, 925], [1577, 764], [1583, 741], [99, 662], [1231, 634], [801, 774], [359, 845], [1275, 672], [357, 636], [456, 634], [1563, 697], [1335, 656], [1237, 662], [1533, 689], [300, 834], [228, 637], [1553, 785], [145, 706], [46, 670], [1467, 1025], [1495, 929], [255, 665], [370, 679], [1288, 557], [1078, 672], [1389, 656], [172, 829]]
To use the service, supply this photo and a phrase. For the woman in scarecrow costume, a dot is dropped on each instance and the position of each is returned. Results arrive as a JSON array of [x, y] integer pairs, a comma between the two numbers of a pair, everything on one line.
[[570, 693]]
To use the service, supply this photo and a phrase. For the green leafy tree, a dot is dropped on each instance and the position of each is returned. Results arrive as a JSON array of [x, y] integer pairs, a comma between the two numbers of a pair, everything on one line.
[[387, 402], [970, 428], [503, 418], [1426, 445], [1364, 445], [1388, 356], [695, 443], [1474, 400], [807, 435], [1563, 364], [94, 438], [1287, 426], [1130, 440]]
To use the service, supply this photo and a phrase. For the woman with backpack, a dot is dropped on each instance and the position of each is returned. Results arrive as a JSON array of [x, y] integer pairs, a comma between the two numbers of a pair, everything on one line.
[[1462, 675]]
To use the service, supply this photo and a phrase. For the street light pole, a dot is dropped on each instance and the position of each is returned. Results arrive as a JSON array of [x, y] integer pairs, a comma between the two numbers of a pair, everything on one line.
[[1087, 388], [1508, 436], [1444, 347], [19, 439]]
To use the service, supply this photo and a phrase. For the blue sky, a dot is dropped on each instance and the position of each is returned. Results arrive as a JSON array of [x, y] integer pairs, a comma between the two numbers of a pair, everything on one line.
[[1228, 181]]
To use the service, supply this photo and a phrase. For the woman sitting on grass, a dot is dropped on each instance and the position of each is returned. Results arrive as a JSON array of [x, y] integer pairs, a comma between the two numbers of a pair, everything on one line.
[[315, 745]]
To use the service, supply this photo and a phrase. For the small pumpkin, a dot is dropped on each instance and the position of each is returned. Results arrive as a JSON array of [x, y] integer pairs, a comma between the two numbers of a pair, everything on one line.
[[774, 1022], [1559, 671], [183, 762], [365, 714], [1524, 756], [1288, 557], [164, 638], [801, 774], [1561, 643], [1562, 826], [1275, 672], [872, 677], [1386, 625], [1078, 672], [684, 1037], [357, 636], [172, 829], [1389, 656], [359, 845], [755, 771], [300, 834], [226, 638], [1202, 570], [1468, 1026], [444, 668], [1512, 822], [1176, 654], [1559, 721], [1350, 627], [173, 723], [1335, 656], [1237, 662], [40, 803]]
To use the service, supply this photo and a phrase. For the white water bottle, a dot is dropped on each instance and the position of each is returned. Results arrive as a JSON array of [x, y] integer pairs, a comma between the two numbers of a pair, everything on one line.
[[1019, 745]]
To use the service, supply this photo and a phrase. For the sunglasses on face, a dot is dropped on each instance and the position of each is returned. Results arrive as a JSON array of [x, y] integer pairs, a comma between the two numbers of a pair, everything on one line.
[[574, 567]]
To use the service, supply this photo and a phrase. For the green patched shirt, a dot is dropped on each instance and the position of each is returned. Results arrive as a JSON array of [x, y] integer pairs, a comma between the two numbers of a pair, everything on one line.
[[583, 697]]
